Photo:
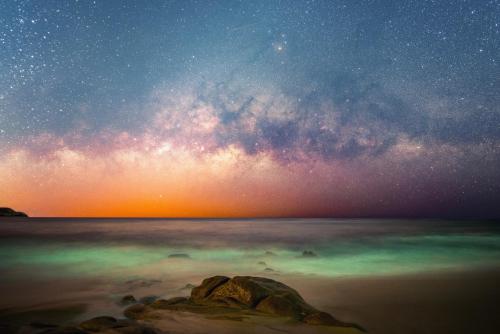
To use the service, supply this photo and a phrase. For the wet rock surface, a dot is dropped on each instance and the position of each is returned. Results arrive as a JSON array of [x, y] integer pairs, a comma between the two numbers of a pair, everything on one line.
[[199, 293]]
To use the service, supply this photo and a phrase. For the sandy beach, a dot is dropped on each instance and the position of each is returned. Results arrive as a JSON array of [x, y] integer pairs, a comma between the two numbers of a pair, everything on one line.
[[439, 302]]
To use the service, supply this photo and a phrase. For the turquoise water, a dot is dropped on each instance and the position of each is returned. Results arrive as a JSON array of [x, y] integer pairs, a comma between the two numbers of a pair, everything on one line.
[[141, 248]]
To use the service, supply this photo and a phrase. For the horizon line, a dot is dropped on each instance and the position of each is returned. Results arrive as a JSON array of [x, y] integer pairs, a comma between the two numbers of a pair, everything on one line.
[[265, 217]]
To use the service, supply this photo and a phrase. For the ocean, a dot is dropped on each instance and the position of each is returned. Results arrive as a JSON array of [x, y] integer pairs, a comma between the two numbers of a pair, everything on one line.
[[92, 263]]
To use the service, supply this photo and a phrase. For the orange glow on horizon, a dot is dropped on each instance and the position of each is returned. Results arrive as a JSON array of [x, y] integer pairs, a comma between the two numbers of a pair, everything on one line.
[[170, 180], [133, 183]]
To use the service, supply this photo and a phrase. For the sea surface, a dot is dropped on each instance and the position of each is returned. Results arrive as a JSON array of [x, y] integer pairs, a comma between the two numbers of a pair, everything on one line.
[[97, 261]]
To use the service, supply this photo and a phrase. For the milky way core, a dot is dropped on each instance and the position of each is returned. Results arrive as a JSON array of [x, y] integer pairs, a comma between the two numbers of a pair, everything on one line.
[[251, 108]]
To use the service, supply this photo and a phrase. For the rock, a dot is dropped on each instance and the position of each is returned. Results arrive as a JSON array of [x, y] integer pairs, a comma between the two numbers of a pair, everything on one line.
[[308, 253], [240, 295], [98, 324], [268, 253], [321, 318], [263, 295], [246, 290], [281, 306], [146, 300], [269, 269], [134, 311], [262, 263], [127, 300], [179, 256], [141, 283], [207, 286], [165, 304], [8, 212], [251, 291]]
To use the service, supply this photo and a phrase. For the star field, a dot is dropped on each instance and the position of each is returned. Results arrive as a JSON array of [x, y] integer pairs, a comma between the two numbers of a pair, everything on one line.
[[336, 108]]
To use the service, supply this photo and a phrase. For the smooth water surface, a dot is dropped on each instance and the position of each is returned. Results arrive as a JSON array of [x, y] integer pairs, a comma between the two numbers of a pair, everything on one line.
[[95, 247]]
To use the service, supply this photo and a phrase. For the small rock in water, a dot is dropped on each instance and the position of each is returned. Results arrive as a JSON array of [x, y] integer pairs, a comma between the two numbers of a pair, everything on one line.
[[141, 283], [127, 300], [179, 256], [269, 269], [146, 300], [268, 253], [308, 253], [262, 263]]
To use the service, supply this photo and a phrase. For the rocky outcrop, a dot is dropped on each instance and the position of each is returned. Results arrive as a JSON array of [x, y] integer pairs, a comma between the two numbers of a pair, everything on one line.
[[262, 294], [254, 299], [219, 294], [208, 285], [8, 212]]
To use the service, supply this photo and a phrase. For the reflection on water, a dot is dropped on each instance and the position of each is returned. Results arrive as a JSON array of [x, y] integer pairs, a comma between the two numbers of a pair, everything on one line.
[[99, 260]]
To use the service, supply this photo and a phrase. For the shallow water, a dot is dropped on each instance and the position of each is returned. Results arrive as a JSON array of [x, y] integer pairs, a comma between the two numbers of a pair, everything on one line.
[[103, 247], [95, 261]]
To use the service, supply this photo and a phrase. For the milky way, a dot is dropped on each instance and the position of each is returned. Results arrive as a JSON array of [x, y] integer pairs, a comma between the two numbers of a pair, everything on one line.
[[250, 108]]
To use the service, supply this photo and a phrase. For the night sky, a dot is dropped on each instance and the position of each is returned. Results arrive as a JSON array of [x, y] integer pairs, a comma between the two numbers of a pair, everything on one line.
[[250, 108]]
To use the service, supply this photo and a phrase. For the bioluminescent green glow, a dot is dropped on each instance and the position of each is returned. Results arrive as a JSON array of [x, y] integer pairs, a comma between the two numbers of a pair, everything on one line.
[[370, 256]]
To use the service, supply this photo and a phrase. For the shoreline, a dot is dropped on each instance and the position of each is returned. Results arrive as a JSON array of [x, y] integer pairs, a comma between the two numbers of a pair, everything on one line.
[[457, 301]]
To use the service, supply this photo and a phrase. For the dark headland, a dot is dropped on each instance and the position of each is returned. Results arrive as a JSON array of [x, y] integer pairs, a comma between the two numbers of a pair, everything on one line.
[[8, 212]]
